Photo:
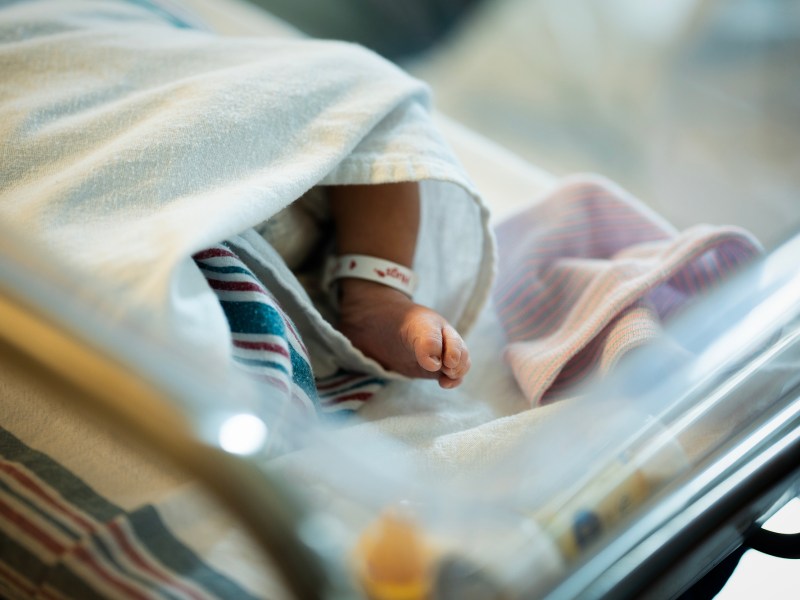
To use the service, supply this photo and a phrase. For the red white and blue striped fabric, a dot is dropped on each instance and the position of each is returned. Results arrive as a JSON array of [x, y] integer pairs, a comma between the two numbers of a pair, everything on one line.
[[62, 540], [590, 273], [347, 391], [268, 346]]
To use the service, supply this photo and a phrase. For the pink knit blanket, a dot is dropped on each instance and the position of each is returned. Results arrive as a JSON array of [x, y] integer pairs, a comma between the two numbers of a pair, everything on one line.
[[590, 273]]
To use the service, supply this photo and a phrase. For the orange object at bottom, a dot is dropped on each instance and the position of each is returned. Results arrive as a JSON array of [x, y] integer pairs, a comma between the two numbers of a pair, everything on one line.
[[393, 559]]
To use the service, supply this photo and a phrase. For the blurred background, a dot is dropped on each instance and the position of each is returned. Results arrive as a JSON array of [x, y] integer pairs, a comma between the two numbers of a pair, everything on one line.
[[693, 105]]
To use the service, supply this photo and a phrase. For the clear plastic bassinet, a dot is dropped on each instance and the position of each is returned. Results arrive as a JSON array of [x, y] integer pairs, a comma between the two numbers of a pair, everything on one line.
[[637, 486]]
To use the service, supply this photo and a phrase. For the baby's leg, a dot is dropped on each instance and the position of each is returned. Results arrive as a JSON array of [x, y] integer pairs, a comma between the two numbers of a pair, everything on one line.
[[385, 324]]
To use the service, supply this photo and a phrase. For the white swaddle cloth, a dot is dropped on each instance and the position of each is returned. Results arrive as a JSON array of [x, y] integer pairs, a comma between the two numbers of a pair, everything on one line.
[[300, 229], [128, 143]]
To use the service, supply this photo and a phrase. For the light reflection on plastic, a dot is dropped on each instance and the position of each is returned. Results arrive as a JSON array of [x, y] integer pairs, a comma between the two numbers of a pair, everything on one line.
[[759, 324], [242, 434]]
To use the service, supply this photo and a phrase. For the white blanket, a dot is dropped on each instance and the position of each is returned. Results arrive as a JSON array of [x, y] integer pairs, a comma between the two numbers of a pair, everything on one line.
[[128, 142]]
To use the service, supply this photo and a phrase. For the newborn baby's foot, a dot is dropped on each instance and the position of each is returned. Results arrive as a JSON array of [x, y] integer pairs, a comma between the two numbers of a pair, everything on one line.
[[402, 336]]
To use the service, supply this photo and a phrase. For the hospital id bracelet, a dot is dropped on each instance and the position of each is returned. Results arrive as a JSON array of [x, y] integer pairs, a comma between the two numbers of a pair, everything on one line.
[[379, 270]]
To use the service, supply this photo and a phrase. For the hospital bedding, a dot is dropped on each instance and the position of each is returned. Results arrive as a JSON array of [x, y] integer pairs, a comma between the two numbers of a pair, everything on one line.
[[588, 274], [73, 527]]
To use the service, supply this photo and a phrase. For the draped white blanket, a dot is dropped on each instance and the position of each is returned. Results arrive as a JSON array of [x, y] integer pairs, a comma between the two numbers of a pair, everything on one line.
[[128, 142]]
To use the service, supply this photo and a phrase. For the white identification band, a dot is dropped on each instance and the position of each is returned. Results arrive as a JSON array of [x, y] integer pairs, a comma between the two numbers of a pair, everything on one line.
[[379, 270]]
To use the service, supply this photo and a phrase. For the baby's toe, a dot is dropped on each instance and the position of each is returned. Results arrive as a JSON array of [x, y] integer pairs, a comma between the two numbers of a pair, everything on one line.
[[456, 361], [428, 348], [448, 383], [453, 346]]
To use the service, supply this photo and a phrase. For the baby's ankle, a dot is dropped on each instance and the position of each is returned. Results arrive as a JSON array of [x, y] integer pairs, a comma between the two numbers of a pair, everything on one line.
[[353, 290]]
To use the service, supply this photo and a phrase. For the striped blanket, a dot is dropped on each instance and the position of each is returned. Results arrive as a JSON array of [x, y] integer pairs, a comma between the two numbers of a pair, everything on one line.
[[60, 539], [267, 345], [590, 273]]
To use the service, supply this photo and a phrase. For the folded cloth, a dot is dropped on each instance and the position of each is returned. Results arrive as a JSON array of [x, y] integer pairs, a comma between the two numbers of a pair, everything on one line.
[[590, 273], [129, 142]]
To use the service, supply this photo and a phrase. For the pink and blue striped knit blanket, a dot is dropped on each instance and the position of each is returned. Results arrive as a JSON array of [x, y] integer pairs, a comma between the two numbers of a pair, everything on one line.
[[590, 273]]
